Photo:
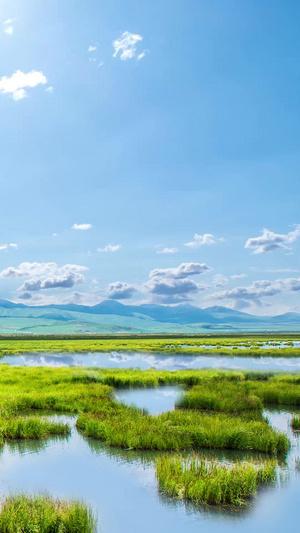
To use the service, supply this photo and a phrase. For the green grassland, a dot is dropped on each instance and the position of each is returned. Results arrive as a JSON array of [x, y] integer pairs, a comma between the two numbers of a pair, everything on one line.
[[42, 514], [243, 346]]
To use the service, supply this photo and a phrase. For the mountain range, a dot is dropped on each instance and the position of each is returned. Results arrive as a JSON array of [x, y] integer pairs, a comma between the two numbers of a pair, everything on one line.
[[112, 316]]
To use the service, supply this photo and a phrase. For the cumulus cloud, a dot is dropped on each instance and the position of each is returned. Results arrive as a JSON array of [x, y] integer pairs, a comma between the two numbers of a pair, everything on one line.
[[252, 294], [126, 45], [168, 251], [19, 81], [269, 241], [173, 285], [82, 227], [172, 290], [120, 291], [65, 281], [109, 248], [238, 276], [203, 240], [27, 269], [182, 271], [92, 48]]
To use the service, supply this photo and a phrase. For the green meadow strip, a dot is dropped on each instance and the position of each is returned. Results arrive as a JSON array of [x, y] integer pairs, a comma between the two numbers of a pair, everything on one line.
[[42, 514], [252, 346], [211, 482]]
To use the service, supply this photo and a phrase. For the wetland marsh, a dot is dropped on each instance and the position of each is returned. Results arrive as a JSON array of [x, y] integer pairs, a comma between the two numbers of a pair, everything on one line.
[[121, 439]]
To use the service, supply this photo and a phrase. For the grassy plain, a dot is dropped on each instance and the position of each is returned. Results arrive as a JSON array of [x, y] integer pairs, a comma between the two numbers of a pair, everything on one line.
[[227, 345], [42, 514]]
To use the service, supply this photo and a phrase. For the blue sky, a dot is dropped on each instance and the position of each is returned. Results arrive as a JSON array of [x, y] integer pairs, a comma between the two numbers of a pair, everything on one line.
[[192, 128]]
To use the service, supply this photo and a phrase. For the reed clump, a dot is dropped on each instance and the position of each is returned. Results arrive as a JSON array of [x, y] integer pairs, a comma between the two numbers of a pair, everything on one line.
[[296, 423], [211, 482], [43, 514]]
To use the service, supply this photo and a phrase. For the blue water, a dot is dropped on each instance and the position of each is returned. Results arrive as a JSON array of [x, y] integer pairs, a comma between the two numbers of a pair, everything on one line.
[[160, 361]]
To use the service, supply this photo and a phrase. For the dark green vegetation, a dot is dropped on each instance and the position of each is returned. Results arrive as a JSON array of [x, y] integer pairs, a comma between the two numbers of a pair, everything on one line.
[[42, 514], [211, 482], [243, 346], [296, 423], [110, 317]]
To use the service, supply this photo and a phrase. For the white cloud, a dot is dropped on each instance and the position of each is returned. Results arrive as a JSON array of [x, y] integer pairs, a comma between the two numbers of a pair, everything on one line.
[[40, 270], [202, 240], [270, 241], [16, 84], [8, 26], [49, 89], [219, 280], [172, 285], [168, 251], [238, 276], [82, 227], [126, 45], [120, 291], [92, 48], [110, 248], [172, 290], [142, 55], [182, 271], [6, 246], [245, 296]]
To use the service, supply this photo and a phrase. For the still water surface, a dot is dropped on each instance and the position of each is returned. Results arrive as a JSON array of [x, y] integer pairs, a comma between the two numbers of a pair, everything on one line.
[[145, 361]]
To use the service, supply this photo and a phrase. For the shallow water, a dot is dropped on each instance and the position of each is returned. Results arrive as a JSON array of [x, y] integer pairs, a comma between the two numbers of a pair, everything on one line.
[[121, 487], [155, 401], [145, 361]]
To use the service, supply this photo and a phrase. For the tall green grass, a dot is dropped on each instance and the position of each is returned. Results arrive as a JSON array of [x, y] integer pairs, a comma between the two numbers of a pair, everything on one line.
[[210, 482], [42, 514], [126, 427], [296, 423]]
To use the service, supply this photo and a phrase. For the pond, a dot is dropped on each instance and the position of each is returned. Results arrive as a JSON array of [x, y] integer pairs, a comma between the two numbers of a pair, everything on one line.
[[155, 401], [122, 488], [145, 361]]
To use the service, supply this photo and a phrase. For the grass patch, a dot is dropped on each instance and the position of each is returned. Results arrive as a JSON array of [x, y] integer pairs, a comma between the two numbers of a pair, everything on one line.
[[296, 423], [42, 514], [210, 482]]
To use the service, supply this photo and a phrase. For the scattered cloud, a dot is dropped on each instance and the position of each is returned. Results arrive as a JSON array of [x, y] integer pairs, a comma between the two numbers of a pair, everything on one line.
[[219, 280], [238, 276], [126, 45], [82, 227], [8, 26], [120, 291], [202, 240], [109, 248], [168, 251], [19, 81], [253, 294], [50, 89], [269, 241], [142, 54], [7, 246], [92, 48], [182, 271]]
